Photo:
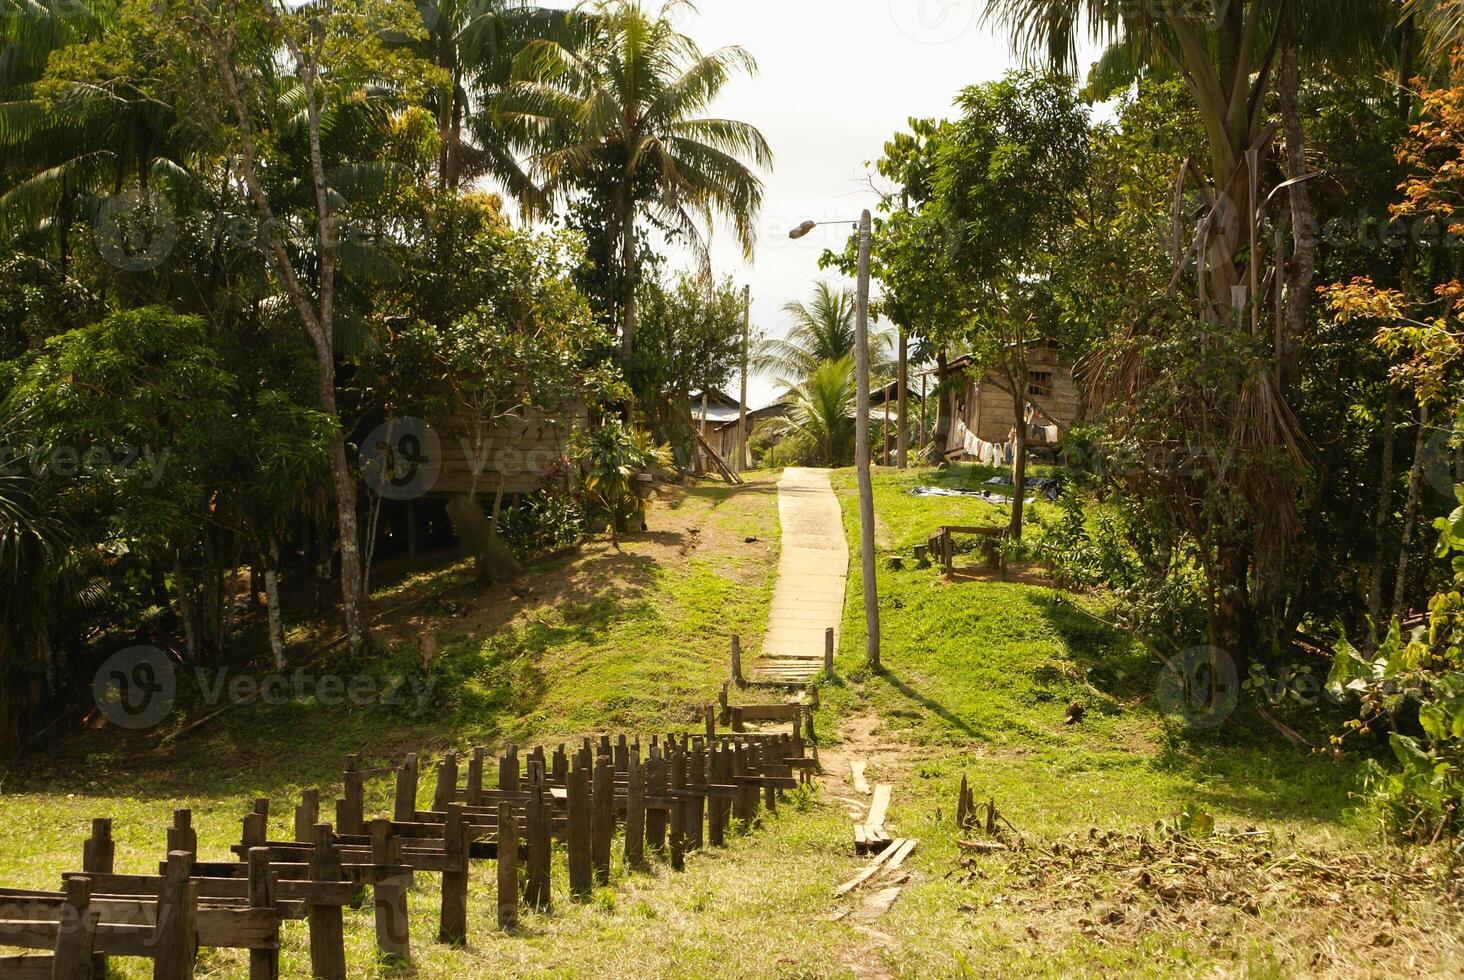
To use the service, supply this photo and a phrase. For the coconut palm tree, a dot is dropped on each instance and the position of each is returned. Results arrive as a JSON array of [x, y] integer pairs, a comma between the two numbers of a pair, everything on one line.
[[475, 43], [66, 151], [820, 413], [822, 331], [624, 111]]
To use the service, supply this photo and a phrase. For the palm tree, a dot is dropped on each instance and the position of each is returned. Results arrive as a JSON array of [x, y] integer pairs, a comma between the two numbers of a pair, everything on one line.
[[624, 111], [476, 43], [822, 331], [820, 413], [67, 150]]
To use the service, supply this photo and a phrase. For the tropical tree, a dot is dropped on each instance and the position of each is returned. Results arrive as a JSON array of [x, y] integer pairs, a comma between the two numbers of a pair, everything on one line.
[[1007, 183], [820, 412], [623, 113], [75, 140], [822, 330], [474, 44], [691, 331]]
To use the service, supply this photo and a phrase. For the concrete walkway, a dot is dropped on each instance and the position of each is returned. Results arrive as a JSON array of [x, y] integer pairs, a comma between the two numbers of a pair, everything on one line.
[[809, 595]]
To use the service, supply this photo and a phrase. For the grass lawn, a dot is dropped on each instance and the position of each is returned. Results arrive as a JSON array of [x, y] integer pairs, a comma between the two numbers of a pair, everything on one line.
[[977, 679], [633, 639]]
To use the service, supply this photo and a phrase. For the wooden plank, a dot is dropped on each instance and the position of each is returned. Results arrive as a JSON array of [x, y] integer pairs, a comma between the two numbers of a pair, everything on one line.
[[879, 903], [899, 853], [769, 712], [861, 785], [881, 803], [870, 870]]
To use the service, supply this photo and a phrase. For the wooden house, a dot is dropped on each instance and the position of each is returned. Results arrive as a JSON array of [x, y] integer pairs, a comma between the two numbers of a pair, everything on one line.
[[981, 412]]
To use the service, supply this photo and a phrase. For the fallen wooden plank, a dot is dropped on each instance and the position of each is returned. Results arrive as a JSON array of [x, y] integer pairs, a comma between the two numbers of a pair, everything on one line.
[[879, 903], [860, 841], [898, 854], [985, 846], [869, 872], [877, 808], [861, 784]]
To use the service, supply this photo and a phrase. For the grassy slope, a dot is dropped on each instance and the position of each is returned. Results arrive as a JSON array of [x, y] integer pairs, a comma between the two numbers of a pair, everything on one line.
[[979, 676], [630, 640]]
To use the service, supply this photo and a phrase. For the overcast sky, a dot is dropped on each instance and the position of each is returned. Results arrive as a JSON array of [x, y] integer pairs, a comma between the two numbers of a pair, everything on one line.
[[836, 79]]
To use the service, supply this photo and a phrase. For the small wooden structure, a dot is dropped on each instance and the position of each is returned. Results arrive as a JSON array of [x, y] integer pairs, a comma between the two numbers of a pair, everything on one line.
[[942, 543], [983, 410]]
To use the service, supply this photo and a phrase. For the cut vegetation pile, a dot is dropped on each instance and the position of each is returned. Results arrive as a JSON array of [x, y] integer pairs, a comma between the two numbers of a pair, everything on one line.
[[1113, 888]]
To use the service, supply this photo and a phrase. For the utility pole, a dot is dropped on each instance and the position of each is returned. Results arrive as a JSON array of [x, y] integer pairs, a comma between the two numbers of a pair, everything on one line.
[[743, 462], [861, 447], [902, 431]]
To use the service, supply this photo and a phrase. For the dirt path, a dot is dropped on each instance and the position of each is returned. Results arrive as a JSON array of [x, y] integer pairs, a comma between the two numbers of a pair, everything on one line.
[[809, 596]]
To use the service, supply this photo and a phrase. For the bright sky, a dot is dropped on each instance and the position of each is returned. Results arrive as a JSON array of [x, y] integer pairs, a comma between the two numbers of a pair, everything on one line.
[[837, 78]]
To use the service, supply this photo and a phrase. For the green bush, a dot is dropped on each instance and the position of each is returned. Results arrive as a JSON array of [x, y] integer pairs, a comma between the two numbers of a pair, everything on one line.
[[1413, 688]]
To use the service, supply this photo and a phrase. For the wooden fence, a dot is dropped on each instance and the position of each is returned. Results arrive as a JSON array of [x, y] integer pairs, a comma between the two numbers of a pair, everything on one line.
[[673, 795]]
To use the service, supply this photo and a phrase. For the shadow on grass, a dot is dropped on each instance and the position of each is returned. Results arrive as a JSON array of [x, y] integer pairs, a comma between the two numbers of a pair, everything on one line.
[[929, 704]]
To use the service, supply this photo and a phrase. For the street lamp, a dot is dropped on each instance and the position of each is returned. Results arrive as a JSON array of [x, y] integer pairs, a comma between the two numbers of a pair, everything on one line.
[[861, 433]]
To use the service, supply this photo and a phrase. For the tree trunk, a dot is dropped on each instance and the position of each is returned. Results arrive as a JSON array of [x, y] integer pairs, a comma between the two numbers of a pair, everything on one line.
[[1019, 465], [187, 610], [1410, 513], [902, 426], [628, 269], [272, 602], [942, 435], [1384, 512], [1300, 273]]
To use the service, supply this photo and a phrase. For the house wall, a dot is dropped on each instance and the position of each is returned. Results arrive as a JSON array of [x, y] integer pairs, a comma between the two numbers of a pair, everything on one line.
[[986, 406], [519, 451]]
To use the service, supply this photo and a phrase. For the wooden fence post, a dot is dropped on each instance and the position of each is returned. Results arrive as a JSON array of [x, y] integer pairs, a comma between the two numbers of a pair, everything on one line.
[[77, 934], [264, 964], [737, 659], [508, 853], [97, 856], [453, 925], [715, 834], [541, 846], [656, 787], [581, 873], [622, 754], [741, 809], [635, 812], [182, 836], [307, 815], [604, 816], [406, 790], [711, 722], [475, 775], [677, 753], [829, 650], [698, 803], [176, 936], [559, 767], [393, 928], [508, 770], [447, 771], [351, 810], [327, 930]]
